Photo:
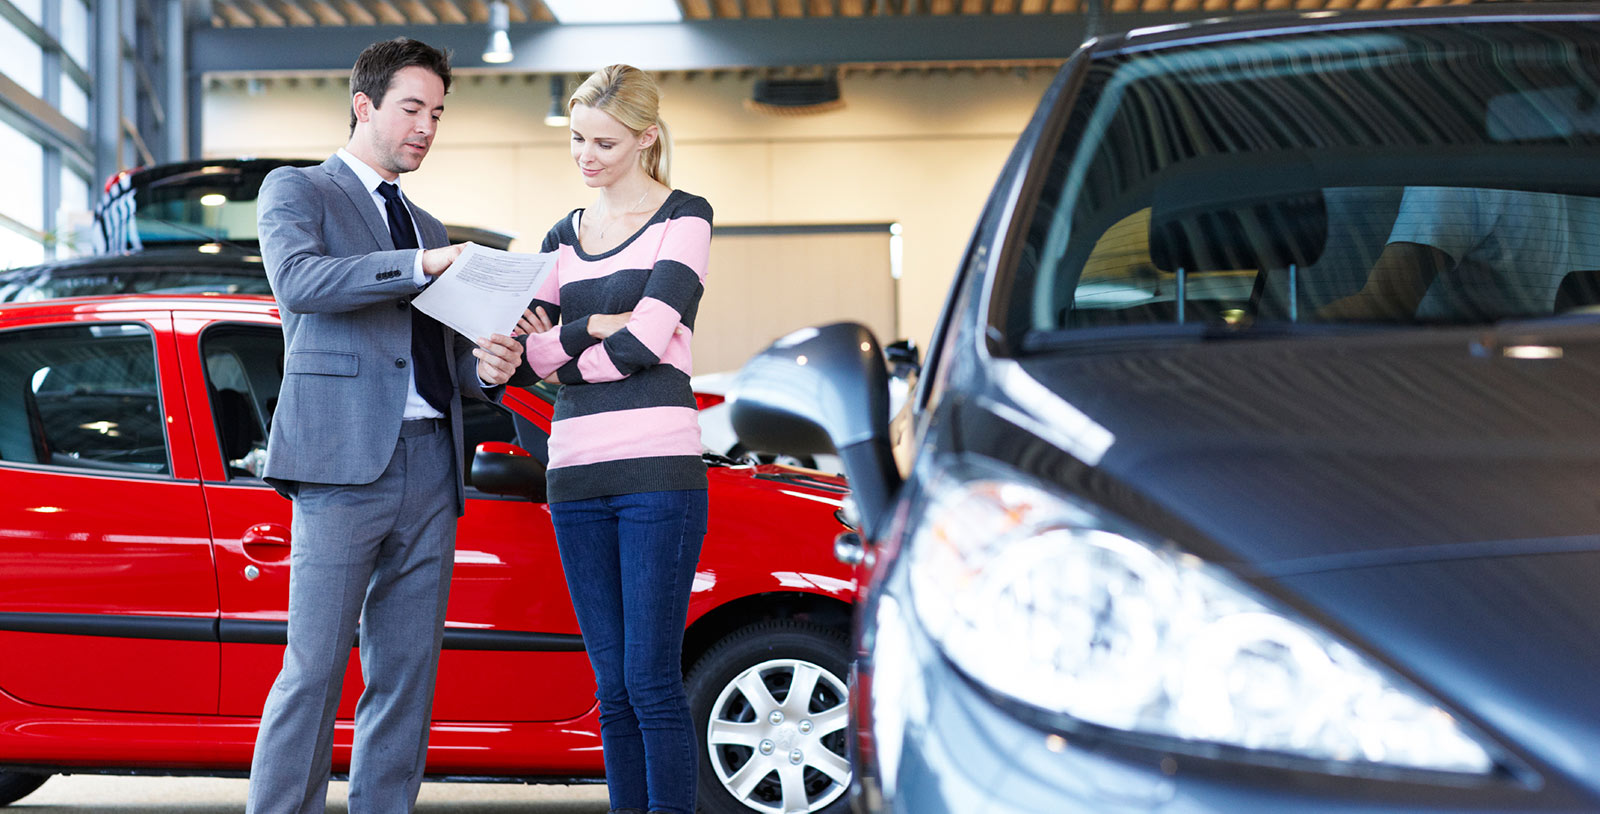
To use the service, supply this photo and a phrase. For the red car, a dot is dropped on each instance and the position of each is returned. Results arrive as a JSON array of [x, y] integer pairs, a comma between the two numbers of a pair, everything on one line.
[[144, 577]]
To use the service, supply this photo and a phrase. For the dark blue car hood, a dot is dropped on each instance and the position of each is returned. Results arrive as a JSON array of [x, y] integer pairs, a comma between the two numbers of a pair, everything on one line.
[[1355, 448], [1432, 496]]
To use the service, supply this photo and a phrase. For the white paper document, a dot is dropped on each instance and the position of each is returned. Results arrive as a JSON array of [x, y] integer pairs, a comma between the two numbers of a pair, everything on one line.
[[485, 290]]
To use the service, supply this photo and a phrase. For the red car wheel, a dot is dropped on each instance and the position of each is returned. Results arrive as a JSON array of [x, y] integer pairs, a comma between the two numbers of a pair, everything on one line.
[[771, 708]]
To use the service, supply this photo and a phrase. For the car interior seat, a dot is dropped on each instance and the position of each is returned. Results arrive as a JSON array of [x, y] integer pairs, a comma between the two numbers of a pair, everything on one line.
[[238, 431], [1268, 222], [1578, 289]]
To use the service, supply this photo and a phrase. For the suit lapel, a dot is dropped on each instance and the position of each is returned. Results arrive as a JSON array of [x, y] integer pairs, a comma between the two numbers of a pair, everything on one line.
[[345, 178], [435, 238]]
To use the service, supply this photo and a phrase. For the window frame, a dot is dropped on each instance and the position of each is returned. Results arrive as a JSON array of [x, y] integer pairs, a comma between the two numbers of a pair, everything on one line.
[[206, 335], [90, 470]]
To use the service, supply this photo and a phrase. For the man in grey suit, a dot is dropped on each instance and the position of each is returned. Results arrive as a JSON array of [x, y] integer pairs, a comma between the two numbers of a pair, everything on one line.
[[366, 440]]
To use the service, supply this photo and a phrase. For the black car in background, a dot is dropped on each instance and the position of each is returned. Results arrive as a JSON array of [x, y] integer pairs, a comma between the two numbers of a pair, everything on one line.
[[181, 228], [1255, 465]]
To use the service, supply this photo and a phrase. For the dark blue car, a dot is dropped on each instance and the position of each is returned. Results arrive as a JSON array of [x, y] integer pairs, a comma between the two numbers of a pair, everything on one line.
[[1255, 464]]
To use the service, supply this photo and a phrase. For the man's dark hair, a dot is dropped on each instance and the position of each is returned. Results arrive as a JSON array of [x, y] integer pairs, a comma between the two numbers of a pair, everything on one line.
[[375, 68]]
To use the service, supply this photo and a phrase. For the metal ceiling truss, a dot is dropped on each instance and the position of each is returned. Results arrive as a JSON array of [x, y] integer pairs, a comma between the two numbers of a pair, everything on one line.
[[249, 83], [275, 13], [688, 46]]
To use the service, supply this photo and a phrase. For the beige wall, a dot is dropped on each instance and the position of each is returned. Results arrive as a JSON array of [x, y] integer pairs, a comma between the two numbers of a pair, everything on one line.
[[920, 150]]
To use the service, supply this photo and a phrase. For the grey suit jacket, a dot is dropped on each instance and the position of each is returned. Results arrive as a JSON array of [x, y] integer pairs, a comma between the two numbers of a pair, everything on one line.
[[344, 294]]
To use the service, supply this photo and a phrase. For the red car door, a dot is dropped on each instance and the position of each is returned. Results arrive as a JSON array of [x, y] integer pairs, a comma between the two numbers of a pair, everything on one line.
[[107, 592], [512, 650]]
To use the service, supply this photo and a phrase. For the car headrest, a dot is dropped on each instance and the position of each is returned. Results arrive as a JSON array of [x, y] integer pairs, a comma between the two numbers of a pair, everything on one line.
[[1579, 289], [1233, 216]]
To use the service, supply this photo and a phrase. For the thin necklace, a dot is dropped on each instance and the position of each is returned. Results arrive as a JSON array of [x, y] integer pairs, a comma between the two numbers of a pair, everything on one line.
[[610, 220]]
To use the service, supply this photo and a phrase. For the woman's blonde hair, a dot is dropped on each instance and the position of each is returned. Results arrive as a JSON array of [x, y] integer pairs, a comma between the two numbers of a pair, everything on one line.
[[630, 96]]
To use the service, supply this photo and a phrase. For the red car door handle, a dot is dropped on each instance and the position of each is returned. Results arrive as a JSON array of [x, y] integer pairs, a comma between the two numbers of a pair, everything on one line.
[[266, 534]]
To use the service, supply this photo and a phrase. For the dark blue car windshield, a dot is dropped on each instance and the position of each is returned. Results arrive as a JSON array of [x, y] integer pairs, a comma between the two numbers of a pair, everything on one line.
[[1404, 176]]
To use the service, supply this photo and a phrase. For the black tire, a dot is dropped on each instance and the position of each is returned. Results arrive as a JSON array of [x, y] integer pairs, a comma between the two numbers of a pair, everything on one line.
[[16, 785], [808, 756]]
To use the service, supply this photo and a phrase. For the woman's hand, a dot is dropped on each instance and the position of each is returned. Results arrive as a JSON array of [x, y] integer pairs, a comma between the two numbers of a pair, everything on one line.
[[534, 322], [604, 325]]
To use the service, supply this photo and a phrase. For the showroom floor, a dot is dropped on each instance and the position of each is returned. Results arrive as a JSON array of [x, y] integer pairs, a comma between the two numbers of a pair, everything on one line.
[[89, 794]]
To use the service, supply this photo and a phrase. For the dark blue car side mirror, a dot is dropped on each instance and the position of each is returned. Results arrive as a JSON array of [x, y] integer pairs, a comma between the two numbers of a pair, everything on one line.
[[819, 390]]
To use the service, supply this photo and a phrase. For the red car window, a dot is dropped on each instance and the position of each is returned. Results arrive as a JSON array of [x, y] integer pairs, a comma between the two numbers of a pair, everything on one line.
[[83, 397], [244, 369]]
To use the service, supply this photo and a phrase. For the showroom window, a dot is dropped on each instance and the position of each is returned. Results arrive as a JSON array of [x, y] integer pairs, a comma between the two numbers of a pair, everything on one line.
[[74, 102], [17, 249], [75, 31], [21, 59], [19, 195], [75, 217], [84, 397], [21, 200], [45, 53]]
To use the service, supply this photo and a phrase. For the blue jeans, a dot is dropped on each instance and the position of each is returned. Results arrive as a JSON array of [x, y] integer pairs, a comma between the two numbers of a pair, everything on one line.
[[630, 562]]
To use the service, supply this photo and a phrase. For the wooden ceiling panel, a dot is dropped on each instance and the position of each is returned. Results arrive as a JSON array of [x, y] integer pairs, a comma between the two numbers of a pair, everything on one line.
[[264, 15], [995, 14], [356, 13], [416, 12], [229, 11], [293, 13], [383, 11], [451, 11], [326, 13]]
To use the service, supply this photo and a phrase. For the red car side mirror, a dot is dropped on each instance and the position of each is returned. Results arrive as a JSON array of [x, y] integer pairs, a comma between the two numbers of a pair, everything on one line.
[[500, 468]]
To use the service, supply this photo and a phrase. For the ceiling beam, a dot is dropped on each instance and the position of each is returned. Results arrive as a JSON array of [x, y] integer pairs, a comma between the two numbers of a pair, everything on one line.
[[694, 45]]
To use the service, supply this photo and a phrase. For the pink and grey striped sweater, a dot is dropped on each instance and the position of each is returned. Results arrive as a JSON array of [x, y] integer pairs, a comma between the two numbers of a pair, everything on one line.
[[625, 421]]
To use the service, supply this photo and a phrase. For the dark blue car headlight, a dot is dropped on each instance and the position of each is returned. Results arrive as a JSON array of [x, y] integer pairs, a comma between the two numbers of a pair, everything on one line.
[[1035, 597]]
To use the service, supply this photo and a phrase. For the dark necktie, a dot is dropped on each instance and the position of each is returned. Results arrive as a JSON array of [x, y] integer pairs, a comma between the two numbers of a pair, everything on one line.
[[431, 368]]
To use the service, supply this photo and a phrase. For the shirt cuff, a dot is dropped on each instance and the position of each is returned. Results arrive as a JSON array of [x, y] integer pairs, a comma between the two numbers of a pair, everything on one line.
[[416, 271]]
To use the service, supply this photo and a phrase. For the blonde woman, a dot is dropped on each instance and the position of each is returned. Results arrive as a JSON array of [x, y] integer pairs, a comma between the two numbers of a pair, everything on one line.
[[627, 485]]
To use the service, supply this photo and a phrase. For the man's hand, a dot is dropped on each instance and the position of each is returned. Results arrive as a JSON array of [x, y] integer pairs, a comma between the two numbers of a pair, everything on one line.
[[498, 357], [435, 261], [604, 325], [534, 322]]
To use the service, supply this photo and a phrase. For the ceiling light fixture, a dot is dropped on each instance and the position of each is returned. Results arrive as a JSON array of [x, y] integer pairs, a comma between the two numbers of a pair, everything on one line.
[[557, 115], [499, 50], [615, 11], [795, 97]]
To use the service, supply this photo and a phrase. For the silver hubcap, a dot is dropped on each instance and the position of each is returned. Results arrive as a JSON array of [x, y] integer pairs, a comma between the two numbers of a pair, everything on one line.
[[781, 755]]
